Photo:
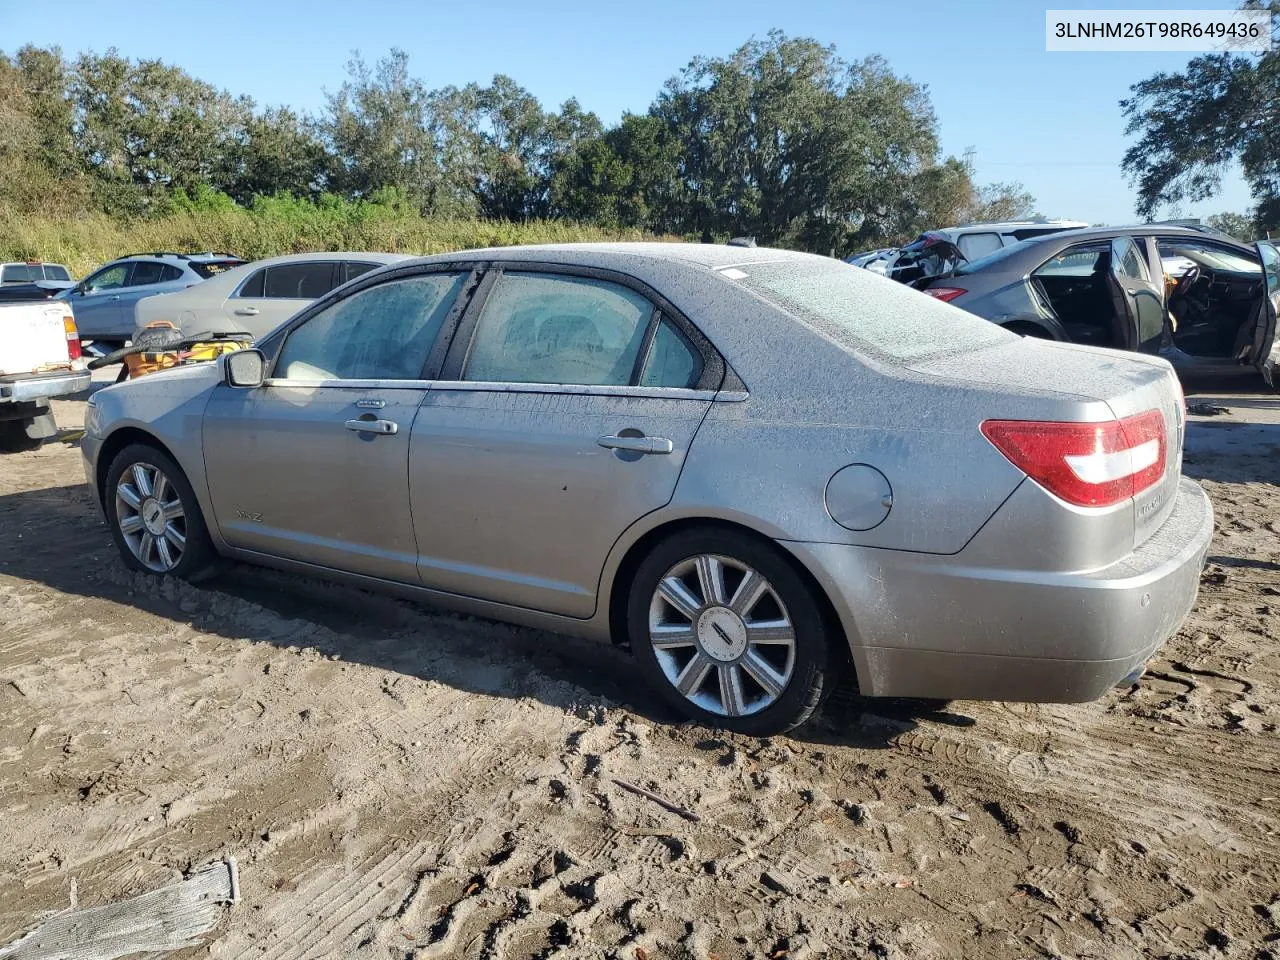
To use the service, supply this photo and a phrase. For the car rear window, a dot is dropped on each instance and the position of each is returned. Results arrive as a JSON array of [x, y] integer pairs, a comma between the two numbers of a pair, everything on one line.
[[973, 266], [17, 273], [54, 272], [209, 268], [864, 312]]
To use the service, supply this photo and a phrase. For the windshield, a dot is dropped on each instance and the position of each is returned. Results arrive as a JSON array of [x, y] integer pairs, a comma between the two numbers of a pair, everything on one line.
[[867, 313]]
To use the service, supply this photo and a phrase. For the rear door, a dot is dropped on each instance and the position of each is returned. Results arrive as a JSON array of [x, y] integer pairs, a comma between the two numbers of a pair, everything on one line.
[[564, 414], [1266, 357], [1142, 297], [272, 295]]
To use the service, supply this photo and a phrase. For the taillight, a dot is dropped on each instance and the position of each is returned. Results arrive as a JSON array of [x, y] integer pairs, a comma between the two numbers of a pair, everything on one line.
[[73, 336], [945, 293], [1087, 464]]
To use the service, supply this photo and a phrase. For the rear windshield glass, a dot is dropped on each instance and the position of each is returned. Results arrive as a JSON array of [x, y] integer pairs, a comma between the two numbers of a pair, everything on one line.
[[864, 312], [17, 273], [973, 266], [53, 272], [208, 268]]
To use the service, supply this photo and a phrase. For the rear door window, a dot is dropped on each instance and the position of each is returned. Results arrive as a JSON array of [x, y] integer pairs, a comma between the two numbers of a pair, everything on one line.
[[549, 328], [300, 281], [1073, 262], [355, 268], [672, 361], [145, 273]]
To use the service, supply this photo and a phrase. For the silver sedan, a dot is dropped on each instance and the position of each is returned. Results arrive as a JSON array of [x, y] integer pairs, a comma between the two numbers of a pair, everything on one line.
[[763, 472]]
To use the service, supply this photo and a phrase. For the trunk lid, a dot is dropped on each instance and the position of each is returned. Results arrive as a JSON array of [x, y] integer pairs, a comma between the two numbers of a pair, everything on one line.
[[33, 338]]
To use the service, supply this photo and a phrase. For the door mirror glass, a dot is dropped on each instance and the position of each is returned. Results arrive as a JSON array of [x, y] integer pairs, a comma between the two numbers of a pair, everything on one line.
[[245, 368]]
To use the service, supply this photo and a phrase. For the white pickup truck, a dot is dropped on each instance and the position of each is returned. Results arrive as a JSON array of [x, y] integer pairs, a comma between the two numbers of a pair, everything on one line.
[[39, 358]]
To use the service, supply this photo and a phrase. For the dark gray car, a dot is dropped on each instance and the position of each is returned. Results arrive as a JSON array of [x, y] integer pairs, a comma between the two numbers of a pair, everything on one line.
[[1197, 298]]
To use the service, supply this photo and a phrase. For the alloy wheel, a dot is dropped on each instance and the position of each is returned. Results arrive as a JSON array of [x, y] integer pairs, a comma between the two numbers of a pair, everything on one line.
[[722, 636], [152, 521]]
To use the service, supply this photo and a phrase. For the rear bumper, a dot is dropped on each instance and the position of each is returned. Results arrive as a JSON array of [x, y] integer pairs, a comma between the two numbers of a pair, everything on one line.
[[25, 389], [929, 626]]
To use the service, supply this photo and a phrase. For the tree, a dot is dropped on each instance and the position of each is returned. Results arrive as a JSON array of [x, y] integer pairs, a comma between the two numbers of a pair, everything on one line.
[[281, 153], [785, 141], [1238, 225], [378, 128], [1191, 126]]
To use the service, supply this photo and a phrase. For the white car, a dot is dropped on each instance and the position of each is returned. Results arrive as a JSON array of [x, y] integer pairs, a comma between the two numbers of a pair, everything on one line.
[[257, 297]]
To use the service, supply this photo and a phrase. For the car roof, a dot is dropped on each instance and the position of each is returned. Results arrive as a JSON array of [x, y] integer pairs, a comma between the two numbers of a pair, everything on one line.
[[1134, 230], [710, 255]]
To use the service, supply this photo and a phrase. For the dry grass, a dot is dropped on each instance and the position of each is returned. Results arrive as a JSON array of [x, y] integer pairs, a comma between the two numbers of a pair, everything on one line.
[[86, 241]]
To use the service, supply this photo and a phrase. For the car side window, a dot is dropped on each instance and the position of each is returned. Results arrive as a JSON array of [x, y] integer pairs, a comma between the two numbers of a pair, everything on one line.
[[380, 333], [355, 268], [672, 361], [300, 281], [169, 273], [975, 245], [146, 272], [1130, 262], [109, 278], [1074, 262], [254, 286], [550, 328]]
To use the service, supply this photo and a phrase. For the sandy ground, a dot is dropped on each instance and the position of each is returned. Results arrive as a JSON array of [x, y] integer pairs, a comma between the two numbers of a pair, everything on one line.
[[397, 782]]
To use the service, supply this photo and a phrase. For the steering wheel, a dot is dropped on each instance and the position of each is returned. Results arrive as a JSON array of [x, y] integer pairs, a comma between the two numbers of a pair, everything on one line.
[[1188, 279]]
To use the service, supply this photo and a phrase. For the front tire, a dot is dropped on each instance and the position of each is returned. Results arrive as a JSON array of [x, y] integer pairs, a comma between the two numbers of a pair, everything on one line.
[[729, 633], [154, 516]]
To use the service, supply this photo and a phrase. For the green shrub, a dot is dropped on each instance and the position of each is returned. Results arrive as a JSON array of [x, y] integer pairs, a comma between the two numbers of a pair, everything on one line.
[[209, 220]]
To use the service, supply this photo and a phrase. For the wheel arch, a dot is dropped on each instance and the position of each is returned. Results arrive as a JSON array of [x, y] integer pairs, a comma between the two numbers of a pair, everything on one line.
[[116, 441], [615, 590]]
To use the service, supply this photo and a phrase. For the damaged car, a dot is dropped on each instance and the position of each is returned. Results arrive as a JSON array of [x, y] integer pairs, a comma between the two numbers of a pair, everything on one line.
[[1200, 299]]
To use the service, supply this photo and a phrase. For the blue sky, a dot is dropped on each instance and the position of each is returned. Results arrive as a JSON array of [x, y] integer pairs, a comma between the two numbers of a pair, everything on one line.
[[1049, 120]]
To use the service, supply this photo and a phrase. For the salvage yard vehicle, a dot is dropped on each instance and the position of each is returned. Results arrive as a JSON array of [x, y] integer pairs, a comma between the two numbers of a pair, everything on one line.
[[39, 359], [753, 467], [938, 251], [105, 299], [1197, 298], [257, 297], [32, 271]]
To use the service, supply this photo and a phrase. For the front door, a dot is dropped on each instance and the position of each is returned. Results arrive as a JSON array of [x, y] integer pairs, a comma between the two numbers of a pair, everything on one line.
[[95, 301], [1142, 297], [571, 420], [1266, 356], [313, 465]]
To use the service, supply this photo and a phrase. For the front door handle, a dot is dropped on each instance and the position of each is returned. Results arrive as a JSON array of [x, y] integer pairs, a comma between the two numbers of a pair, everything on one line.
[[246, 311], [637, 444], [384, 427], [115, 297]]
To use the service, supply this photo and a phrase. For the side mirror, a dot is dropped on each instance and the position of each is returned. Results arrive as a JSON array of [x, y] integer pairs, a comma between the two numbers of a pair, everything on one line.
[[245, 368]]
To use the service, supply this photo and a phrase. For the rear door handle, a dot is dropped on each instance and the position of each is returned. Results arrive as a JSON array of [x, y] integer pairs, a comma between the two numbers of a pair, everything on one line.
[[246, 311], [637, 444], [384, 427], [116, 297]]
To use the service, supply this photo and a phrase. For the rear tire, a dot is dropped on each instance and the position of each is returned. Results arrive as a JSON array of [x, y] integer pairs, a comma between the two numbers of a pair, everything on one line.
[[14, 437], [154, 516], [729, 633]]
